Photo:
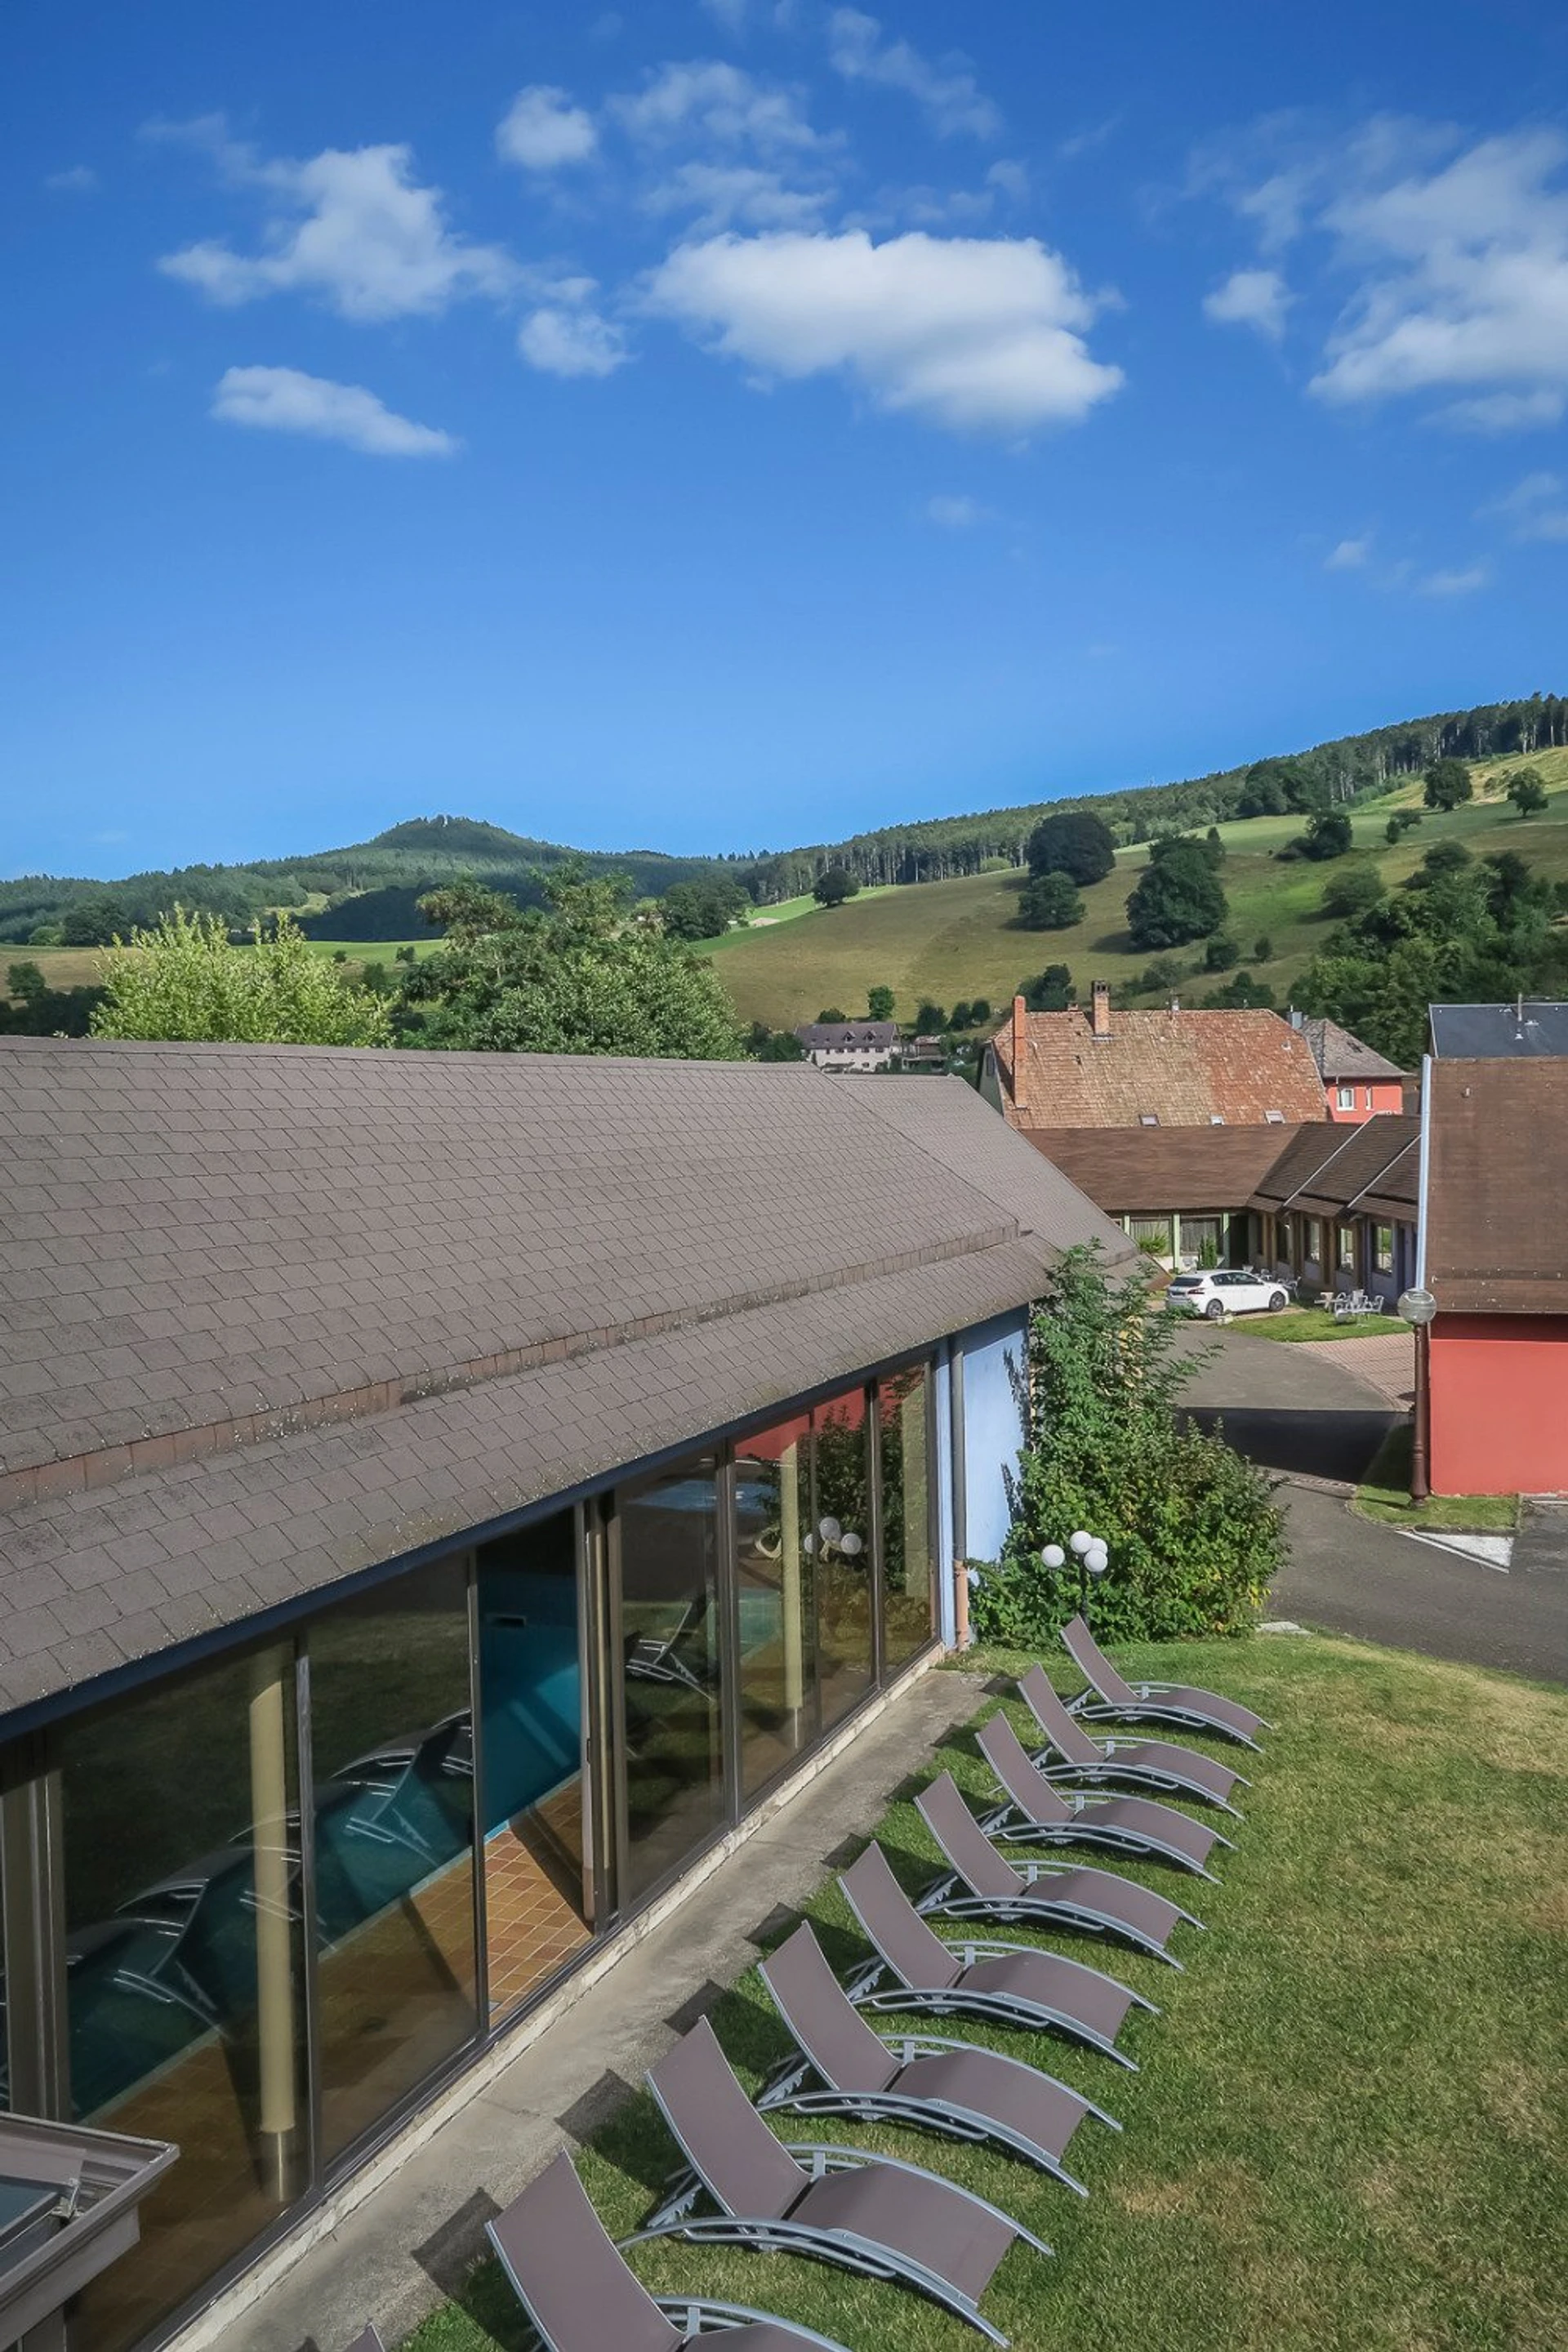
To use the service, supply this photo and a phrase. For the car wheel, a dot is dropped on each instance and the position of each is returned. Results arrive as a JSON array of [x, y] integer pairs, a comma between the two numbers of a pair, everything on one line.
[[1277, 1302], [1215, 1310]]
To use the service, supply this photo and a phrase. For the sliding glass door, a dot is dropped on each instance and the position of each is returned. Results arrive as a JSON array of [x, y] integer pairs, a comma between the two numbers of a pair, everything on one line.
[[667, 1543]]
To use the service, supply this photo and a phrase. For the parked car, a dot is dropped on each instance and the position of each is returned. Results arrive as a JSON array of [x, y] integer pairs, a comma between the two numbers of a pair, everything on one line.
[[1226, 1291]]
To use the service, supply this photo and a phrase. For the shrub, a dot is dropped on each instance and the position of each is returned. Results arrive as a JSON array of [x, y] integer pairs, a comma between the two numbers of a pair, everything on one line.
[[1192, 1529], [1221, 952]]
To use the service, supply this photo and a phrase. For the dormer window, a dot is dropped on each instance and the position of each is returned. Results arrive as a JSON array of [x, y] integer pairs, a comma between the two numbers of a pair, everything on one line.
[[1215, 1119], [1274, 1118], [1148, 1119]]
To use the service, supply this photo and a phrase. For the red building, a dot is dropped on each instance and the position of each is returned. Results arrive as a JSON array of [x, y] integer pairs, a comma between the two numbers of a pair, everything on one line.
[[1496, 1260], [1358, 1083]]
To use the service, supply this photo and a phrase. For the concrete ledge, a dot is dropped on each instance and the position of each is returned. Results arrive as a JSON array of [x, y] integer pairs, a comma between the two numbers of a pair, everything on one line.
[[466, 2153]]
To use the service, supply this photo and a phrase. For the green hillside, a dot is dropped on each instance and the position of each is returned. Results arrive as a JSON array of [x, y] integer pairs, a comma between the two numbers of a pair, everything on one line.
[[944, 941]]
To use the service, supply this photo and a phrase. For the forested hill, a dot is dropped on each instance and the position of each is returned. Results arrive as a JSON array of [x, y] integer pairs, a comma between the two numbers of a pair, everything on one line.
[[369, 890], [1350, 767]]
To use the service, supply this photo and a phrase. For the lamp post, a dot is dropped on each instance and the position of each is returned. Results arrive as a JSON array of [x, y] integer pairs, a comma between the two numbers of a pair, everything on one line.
[[1417, 1308]]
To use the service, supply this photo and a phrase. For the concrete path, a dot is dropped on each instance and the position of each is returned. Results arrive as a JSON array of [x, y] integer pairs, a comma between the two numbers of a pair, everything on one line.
[[408, 2247], [1320, 1423]]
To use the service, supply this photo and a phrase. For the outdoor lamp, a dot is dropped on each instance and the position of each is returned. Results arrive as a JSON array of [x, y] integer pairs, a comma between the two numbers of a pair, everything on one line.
[[829, 1530], [1097, 1560], [1081, 1542], [1053, 1556], [851, 1545], [1418, 1306]]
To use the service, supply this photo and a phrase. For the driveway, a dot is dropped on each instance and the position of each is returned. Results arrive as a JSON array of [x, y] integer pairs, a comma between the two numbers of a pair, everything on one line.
[[1310, 1415]]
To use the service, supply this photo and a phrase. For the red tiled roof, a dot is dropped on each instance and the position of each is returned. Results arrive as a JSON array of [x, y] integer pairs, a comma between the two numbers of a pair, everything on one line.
[[1183, 1069]]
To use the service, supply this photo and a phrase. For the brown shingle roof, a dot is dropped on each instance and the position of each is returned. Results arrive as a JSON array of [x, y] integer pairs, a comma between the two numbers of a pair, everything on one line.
[[1145, 1172], [1496, 1239], [1339, 1055], [947, 1119], [1332, 1170], [1183, 1068], [269, 1316]]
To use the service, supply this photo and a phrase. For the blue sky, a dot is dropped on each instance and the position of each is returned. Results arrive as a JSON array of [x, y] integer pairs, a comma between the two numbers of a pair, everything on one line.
[[719, 424]]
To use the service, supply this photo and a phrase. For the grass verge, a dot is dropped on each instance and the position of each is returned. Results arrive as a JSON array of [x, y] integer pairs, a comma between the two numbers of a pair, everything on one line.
[[1350, 2128], [1384, 1494], [1317, 1323]]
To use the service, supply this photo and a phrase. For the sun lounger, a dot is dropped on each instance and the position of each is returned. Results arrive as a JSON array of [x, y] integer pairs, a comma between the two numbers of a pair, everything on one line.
[[1121, 1701], [1147, 1763], [926, 2081], [1033, 1812], [1009, 1984], [983, 1884], [865, 2213], [578, 2292], [367, 2340]]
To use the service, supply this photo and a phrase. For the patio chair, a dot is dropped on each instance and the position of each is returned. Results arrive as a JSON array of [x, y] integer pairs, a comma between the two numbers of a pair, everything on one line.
[[928, 2082], [1007, 1984], [983, 1884], [1148, 1763], [581, 2297], [1033, 1812], [874, 2214], [1116, 1700]]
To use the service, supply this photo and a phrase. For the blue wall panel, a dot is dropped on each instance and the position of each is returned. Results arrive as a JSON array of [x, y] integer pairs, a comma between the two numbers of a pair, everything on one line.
[[994, 1356]]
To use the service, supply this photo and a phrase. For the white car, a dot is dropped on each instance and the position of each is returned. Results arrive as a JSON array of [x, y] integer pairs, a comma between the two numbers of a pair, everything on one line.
[[1224, 1291]]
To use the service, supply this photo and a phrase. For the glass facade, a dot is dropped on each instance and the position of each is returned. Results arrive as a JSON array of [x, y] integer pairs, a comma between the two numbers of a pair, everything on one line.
[[183, 1967], [392, 1759], [299, 1883]]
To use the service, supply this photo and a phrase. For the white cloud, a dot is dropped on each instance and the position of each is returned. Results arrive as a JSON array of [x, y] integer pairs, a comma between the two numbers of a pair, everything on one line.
[[710, 98], [1463, 583], [81, 180], [1250, 298], [1013, 179], [949, 93], [719, 194], [542, 129], [1458, 254], [1350, 555], [569, 337], [351, 227], [970, 332], [286, 400], [1536, 507], [957, 513]]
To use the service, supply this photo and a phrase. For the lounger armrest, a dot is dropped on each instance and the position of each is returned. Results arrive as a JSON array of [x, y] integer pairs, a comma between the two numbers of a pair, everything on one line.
[[697, 2316], [928, 2045], [821, 2160], [1031, 1873]]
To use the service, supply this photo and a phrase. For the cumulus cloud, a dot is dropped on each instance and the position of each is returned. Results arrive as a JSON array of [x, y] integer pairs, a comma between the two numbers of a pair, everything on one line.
[[969, 332], [542, 129], [719, 194], [710, 98], [949, 93], [1350, 555], [351, 227], [79, 180], [286, 400], [1250, 298], [567, 336], [1536, 507], [1458, 254]]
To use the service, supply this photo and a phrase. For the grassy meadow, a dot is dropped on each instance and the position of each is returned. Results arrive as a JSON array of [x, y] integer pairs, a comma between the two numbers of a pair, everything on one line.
[[1348, 2129], [944, 941]]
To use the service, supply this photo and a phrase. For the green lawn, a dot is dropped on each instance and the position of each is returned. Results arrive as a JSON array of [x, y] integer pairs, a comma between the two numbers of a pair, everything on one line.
[[1317, 1323], [1384, 1494], [1350, 2129]]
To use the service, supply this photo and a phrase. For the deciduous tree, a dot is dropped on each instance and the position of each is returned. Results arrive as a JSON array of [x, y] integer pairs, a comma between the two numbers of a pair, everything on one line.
[[184, 978]]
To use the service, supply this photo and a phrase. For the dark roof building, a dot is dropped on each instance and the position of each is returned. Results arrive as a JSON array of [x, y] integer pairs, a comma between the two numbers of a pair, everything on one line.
[[1328, 1171], [1146, 1171], [445, 1500], [834, 1040], [1098, 1066], [1531, 1027]]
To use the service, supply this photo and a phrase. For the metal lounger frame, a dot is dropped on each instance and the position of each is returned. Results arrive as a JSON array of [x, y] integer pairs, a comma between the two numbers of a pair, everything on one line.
[[1148, 1776], [944, 2116], [1026, 1908], [1008, 1825], [999, 2008], [843, 2248], [1090, 1707]]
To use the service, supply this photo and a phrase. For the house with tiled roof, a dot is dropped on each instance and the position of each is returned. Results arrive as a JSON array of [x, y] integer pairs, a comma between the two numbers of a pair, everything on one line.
[[1359, 1083], [447, 1502]]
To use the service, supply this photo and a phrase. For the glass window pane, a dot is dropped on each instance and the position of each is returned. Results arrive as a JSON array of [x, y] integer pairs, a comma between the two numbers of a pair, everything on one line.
[[839, 1546], [183, 1967], [778, 1663], [904, 1410], [530, 1700], [1347, 1247], [392, 1760], [669, 1542]]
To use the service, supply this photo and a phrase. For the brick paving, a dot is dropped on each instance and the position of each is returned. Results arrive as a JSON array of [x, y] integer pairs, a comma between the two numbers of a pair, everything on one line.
[[1385, 1360]]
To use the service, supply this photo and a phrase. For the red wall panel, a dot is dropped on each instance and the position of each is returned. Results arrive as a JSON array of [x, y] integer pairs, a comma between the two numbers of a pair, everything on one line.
[[1499, 1404]]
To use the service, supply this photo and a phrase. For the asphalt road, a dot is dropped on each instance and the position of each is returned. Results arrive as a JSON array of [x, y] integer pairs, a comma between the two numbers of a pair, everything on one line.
[[1311, 1418]]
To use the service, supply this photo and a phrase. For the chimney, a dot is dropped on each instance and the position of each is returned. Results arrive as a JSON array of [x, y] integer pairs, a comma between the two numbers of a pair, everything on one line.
[[1100, 1008], [1174, 1006], [1295, 1018], [1020, 1050]]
